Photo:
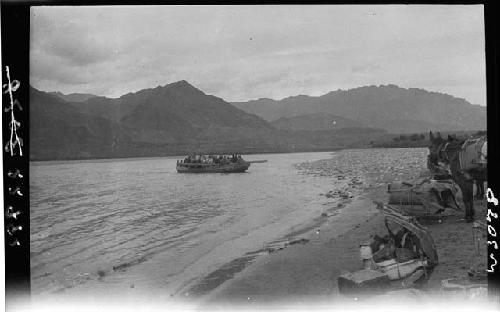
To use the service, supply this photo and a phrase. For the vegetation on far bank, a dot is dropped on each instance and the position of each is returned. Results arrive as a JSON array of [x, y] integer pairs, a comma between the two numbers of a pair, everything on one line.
[[417, 139]]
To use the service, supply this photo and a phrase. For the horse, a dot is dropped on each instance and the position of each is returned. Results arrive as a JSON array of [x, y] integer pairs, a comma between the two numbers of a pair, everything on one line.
[[473, 159], [448, 155], [440, 167]]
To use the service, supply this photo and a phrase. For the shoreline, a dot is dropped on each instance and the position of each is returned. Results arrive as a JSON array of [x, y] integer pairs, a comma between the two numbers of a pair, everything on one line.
[[354, 190], [224, 274], [308, 272], [180, 156], [174, 155], [325, 150], [303, 264], [354, 213]]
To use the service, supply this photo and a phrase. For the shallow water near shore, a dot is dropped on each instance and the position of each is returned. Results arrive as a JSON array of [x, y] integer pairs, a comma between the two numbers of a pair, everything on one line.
[[135, 224]]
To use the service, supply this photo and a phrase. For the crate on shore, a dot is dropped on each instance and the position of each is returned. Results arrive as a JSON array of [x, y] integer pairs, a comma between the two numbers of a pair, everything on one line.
[[363, 281]]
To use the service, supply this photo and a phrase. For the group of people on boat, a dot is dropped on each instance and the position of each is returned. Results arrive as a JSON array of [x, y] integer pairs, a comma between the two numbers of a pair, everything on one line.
[[210, 159]]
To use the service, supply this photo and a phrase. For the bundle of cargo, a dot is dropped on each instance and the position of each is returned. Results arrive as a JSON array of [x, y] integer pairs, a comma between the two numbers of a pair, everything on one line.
[[406, 254], [474, 153], [426, 197], [409, 246]]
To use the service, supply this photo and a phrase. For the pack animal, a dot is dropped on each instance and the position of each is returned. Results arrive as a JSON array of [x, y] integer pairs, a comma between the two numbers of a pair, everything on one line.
[[464, 161]]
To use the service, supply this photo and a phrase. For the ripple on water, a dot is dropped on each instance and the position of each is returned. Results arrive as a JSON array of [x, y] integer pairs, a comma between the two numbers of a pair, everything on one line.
[[149, 223]]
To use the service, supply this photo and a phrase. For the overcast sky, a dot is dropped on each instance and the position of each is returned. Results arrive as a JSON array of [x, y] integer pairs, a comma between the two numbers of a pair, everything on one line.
[[247, 52]]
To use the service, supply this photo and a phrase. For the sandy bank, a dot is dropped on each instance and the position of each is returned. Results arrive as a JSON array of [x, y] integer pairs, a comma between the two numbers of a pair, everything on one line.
[[301, 274], [301, 271]]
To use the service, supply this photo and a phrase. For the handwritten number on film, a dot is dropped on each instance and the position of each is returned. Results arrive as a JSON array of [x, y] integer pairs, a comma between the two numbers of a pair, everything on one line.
[[491, 230], [15, 142], [13, 146]]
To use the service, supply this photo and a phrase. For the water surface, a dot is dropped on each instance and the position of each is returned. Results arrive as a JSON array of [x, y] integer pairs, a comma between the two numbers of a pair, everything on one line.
[[108, 226], [137, 221]]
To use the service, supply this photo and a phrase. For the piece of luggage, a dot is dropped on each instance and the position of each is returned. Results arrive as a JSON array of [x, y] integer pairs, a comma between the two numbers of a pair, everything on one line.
[[403, 193], [474, 154], [427, 192]]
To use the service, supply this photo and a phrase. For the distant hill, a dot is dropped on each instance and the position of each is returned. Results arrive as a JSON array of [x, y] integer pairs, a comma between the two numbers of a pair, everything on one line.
[[398, 110], [73, 97], [270, 109], [174, 119], [58, 131], [178, 113], [312, 122]]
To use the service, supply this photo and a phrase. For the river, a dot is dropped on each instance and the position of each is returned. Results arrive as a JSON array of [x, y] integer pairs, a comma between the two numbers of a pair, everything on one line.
[[121, 224]]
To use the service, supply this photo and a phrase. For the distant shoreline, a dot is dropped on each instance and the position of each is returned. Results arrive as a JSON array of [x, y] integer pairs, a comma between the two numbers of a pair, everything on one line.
[[175, 155], [248, 153], [389, 140]]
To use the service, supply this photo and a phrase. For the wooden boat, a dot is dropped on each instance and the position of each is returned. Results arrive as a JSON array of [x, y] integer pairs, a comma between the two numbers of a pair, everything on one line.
[[212, 164], [212, 168]]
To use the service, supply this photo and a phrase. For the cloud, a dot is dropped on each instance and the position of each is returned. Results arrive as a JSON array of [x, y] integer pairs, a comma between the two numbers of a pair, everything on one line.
[[365, 67], [244, 52], [72, 42]]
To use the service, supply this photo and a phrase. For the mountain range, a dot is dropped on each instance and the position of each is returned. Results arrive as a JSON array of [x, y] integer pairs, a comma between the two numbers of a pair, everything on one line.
[[395, 109], [73, 97], [313, 122], [178, 118]]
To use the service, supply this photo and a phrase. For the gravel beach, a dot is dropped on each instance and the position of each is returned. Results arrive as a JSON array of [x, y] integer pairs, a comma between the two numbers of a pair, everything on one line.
[[307, 273]]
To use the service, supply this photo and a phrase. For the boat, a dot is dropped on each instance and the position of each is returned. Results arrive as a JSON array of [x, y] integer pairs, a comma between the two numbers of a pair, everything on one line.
[[212, 164]]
